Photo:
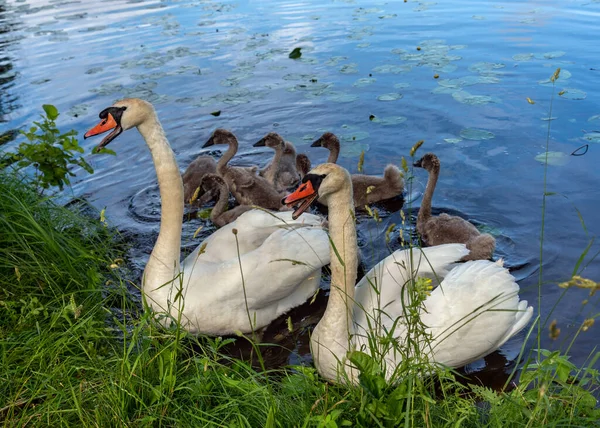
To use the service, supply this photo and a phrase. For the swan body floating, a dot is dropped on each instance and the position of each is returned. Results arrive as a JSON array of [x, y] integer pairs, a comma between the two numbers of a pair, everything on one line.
[[367, 189], [446, 229], [215, 299], [246, 187], [473, 311]]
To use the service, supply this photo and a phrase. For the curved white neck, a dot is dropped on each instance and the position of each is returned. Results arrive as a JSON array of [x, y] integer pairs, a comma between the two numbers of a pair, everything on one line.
[[333, 333], [163, 265]]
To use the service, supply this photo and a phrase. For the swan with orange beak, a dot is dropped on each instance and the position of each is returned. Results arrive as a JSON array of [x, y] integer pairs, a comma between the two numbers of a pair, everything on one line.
[[306, 193], [110, 120]]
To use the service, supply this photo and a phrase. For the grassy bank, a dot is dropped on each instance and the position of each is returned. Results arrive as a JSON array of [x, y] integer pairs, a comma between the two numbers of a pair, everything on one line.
[[77, 351]]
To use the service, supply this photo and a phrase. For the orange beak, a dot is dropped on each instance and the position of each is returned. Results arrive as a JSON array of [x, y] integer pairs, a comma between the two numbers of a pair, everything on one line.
[[305, 194], [104, 126]]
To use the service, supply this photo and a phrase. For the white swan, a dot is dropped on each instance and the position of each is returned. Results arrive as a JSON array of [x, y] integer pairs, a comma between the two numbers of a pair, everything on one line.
[[216, 301], [474, 311]]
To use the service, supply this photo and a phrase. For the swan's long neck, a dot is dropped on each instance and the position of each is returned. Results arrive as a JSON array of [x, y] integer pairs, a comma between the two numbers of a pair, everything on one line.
[[425, 210], [334, 153], [163, 264], [221, 204], [222, 165], [333, 333], [274, 166]]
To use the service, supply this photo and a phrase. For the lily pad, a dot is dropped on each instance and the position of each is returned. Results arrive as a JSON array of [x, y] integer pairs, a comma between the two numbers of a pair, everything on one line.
[[365, 81], [78, 110], [592, 137], [334, 60], [573, 94], [349, 68], [355, 136], [485, 67], [551, 55], [453, 140], [564, 75], [353, 150], [392, 96], [342, 97], [523, 57], [401, 85], [470, 99], [594, 118], [393, 69], [554, 158], [94, 70], [390, 120], [476, 134]]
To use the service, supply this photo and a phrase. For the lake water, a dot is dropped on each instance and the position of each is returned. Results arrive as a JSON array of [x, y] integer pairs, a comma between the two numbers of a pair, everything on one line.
[[455, 74]]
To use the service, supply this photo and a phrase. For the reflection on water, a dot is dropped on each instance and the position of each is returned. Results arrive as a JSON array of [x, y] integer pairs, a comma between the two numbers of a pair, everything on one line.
[[380, 75]]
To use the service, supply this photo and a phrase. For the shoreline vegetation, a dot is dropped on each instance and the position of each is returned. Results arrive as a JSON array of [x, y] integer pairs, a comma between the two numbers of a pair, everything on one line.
[[77, 349]]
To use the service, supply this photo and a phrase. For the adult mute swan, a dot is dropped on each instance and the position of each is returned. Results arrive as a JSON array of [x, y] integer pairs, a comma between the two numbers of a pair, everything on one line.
[[446, 229], [474, 310], [216, 300], [367, 189]]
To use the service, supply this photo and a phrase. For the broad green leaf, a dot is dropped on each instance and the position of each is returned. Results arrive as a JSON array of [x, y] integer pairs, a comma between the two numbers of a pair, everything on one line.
[[51, 111]]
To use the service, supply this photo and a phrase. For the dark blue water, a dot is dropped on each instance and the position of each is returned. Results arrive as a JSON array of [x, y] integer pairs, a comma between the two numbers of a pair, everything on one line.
[[426, 71]]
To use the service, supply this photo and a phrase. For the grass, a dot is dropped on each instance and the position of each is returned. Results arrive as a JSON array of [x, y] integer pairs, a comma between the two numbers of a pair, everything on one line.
[[76, 350]]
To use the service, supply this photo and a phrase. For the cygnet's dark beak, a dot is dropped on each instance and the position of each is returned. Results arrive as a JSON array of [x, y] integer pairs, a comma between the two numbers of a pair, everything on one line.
[[210, 142], [260, 143], [418, 163], [317, 143]]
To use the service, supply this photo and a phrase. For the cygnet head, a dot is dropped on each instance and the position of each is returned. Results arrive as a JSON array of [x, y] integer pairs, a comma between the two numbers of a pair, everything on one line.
[[272, 140], [220, 136], [121, 116], [320, 183], [429, 162], [327, 140], [289, 149], [302, 164]]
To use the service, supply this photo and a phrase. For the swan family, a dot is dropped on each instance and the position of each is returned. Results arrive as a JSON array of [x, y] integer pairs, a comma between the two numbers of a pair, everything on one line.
[[265, 259]]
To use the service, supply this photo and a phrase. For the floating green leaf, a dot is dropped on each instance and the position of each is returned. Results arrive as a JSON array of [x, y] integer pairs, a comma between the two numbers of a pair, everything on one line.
[[594, 118], [391, 120], [392, 96], [563, 75], [468, 98], [592, 137], [295, 54], [365, 81], [523, 57], [476, 134], [453, 140], [573, 94], [554, 158], [216, 113]]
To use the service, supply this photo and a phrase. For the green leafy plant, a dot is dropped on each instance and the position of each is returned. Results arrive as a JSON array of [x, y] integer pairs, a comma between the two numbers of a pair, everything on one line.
[[49, 151]]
